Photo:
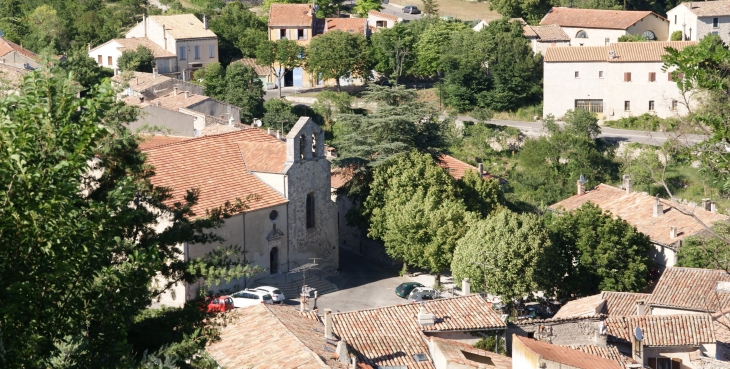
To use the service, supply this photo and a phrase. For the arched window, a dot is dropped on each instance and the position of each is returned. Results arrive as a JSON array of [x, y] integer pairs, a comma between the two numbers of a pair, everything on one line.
[[581, 34], [310, 210], [302, 145], [314, 145]]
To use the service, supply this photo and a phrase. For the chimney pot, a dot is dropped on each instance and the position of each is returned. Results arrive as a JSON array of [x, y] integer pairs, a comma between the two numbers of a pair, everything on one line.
[[481, 170], [205, 22], [187, 94], [159, 104], [706, 204], [713, 207], [658, 208], [278, 134], [175, 91], [268, 130], [328, 323], [465, 287], [627, 183], [640, 307], [581, 188], [154, 72], [672, 232], [341, 350]]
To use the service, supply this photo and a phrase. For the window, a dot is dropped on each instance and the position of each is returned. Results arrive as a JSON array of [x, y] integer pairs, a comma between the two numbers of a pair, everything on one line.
[[310, 210], [381, 24], [581, 34], [674, 104], [675, 76], [577, 74], [211, 51], [606, 41], [301, 34], [302, 145], [675, 19], [627, 105], [715, 22], [530, 334], [651, 105], [197, 52], [100, 60], [600, 74], [627, 76], [274, 215], [593, 106], [109, 60], [282, 34], [652, 76], [181, 53], [664, 363], [715, 33]]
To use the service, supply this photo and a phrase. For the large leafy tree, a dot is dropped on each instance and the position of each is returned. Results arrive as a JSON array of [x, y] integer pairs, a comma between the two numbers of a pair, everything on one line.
[[78, 240], [705, 251], [279, 115], [214, 80], [280, 56], [336, 55], [84, 69], [245, 90], [507, 254], [531, 10], [601, 252], [393, 51], [430, 46], [482, 196], [239, 32], [140, 60]]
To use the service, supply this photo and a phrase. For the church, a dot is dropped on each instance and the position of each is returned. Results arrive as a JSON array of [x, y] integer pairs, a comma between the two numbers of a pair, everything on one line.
[[285, 182]]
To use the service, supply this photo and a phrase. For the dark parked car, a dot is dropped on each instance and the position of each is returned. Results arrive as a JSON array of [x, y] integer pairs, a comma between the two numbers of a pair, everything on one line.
[[404, 289], [410, 9]]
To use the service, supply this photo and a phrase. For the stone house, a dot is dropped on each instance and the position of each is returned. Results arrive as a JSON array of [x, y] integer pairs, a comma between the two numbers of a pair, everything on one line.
[[619, 80], [698, 19], [108, 53], [183, 35], [569, 331], [17, 56], [540, 37], [377, 20], [608, 303], [690, 291], [657, 218], [596, 27], [290, 216]]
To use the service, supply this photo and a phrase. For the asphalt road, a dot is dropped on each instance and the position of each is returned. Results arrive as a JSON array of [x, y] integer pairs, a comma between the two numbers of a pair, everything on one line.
[[362, 284], [398, 12]]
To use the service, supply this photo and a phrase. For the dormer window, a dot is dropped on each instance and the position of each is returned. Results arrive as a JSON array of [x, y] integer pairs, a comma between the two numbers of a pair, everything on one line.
[[581, 34]]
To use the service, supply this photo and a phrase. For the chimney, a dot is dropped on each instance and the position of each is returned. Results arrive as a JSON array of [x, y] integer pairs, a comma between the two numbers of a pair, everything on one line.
[[705, 204], [205, 22], [154, 72], [581, 188], [341, 351], [187, 94], [658, 208], [159, 103], [278, 134], [328, 324], [425, 318], [230, 123], [144, 24], [185, 75], [268, 130], [640, 307], [89, 47], [672, 232], [627, 183], [465, 287], [174, 91], [481, 170], [713, 207], [637, 346]]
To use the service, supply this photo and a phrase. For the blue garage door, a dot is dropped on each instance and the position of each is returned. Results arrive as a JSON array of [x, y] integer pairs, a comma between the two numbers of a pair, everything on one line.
[[298, 82]]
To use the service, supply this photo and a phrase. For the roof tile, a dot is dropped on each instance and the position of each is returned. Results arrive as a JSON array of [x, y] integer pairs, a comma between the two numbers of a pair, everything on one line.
[[663, 330], [709, 8], [690, 288], [290, 15], [376, 13], [6, 46], [565, 355], [183, 26]]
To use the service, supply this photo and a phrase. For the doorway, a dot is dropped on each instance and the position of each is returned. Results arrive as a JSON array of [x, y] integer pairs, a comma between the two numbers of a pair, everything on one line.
[[288, 78], [274, 260]]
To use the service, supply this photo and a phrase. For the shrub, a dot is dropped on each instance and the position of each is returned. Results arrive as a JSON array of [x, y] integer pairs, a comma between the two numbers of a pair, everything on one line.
[[645, 122], [676, 36]]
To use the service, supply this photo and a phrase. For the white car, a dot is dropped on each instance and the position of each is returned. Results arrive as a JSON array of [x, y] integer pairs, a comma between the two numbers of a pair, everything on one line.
[[248, 297], [420, 294], [275, 293]]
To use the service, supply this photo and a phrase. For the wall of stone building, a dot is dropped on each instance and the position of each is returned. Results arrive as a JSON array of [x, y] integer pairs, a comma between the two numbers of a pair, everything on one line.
[[308, 172], [177, 123], [704, 28], [168, 87], [18, 60], [218, 109], [658, 25], [570, 332]]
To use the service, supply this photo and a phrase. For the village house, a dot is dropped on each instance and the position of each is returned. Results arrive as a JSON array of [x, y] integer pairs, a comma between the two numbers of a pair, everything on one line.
[[690, 291], [377, 20], [608, 303], [597, 27], [17, 56], [107, 54], [541, 37], [619, 80], [182, 35], [528, 353], [285, 183], [665, 224], [701, 18]]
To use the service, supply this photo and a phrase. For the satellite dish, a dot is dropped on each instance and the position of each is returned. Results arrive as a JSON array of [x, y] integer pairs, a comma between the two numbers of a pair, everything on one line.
[[1, 33], [257, 123], [637, 333]]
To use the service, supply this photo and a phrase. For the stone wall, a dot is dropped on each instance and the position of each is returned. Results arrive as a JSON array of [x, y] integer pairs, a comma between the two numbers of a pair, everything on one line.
[[167, 87], [567, 332]]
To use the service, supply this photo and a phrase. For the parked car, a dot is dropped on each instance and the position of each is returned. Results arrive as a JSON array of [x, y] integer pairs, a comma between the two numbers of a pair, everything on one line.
[[404, 289], [219, 304], [275, 293], [421, 294], [248, 297], [410, 9]]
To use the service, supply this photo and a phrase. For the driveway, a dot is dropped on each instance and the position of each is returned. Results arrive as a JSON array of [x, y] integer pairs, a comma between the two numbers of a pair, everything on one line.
[[362, 284]]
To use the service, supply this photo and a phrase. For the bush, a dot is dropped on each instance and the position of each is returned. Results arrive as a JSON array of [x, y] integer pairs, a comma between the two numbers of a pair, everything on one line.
[[632, 38], [676, 36], [645, 122], [490, 343], [279, 115]]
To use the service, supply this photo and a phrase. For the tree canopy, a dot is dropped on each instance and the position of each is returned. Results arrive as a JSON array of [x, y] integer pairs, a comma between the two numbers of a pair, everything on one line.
[[279, 56], [336, 55], [139, 60], [245, 90]]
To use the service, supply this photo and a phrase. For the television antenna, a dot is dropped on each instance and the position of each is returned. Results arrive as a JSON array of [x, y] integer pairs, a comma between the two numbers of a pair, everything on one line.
[[304, 294]]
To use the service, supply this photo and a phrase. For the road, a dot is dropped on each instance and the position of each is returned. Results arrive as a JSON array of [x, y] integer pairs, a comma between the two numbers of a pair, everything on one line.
[[397, 10]]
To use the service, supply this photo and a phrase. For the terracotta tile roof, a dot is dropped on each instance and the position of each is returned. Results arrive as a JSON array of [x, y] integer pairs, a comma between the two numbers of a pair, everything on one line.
[[566, 355], [267, 155], [141, 81], [251, 62], [528, 31], [622, 303], [594, 317], [549, 33], [267, 336], [721, 324], [339, 177], [456, 167], [351, 25], [586, 306], [609, 352], [183, 26], [6, 46], [290, 15], [577, 54], [709, 8], [376, 13], [622, 51], [595, 18], [663, 330], [637, 209], [133, 42], [175, 102], [456, 352], [217, 129], [214, 165], [692, 289], [391, 335], [150, 141]]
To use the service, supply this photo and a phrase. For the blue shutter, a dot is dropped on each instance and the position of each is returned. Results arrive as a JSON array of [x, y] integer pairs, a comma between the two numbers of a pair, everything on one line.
[[182, 53]]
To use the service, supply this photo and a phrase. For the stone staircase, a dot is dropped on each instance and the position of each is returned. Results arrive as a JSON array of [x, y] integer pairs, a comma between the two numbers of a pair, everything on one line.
[[291, 284]]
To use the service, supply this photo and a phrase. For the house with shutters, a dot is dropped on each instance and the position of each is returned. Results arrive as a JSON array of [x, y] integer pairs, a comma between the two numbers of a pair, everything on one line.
[[619, 80], [17, 56], [701, 18]]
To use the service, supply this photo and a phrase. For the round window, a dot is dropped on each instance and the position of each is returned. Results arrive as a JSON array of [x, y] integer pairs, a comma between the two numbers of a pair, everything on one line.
[[274, 215], [581, 34]]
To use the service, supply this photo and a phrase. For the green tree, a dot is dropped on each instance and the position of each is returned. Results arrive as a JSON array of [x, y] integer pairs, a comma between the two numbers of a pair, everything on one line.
[[632, 38], [531, 10], [245, 90], [481, 196], [602, 252], [506, 254], [430, 45], [393, 51], [336, 55], [46, 30], [431, 8], [581, 123], [214, 80], [239, 32], [706, 251], [363, 7], [330, 103], [676, 36], [279, 115], [140, 60], [84, 69], [280, 56], [77, 230]]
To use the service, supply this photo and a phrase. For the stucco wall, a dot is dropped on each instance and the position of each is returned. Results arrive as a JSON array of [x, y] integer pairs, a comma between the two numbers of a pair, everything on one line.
[[106, 50], [217, 109], [682, 19], [18, 60], [682, 353], [522, 357], [672, 311], [659, 26], [463, 337], [178, 123], [291, 34], [596, 36], [389, 23], [276, 181], [663, 256]]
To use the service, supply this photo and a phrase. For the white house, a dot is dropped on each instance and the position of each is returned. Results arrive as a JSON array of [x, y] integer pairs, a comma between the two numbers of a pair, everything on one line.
[[183, 35], [108, 53], [378, 19], [619, 80], [595, 27], [543, 37], [699, 19]]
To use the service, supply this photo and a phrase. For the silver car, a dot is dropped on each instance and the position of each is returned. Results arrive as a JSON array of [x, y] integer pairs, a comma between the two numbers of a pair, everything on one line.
[[275, 293]]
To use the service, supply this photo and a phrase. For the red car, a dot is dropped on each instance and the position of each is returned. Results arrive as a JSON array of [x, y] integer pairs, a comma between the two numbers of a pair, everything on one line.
[[219, 304]]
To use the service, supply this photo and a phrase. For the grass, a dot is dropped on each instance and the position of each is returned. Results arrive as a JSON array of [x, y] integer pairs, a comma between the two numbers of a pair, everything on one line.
[[525, 114], [459, 9]]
